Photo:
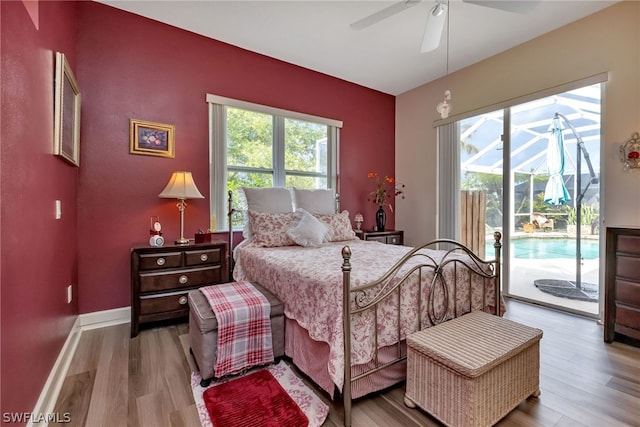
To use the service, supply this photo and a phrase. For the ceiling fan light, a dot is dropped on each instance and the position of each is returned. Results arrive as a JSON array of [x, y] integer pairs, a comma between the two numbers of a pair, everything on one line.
[[433, 29]]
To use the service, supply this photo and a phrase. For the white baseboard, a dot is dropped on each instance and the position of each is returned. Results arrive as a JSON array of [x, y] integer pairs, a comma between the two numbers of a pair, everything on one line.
[[84, 322], [102, 319], [49, 395]]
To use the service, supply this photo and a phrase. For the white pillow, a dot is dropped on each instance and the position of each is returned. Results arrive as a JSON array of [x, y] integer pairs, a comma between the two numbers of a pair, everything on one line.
[[315, 201], [309, 231], [263, 200], [270, 199]]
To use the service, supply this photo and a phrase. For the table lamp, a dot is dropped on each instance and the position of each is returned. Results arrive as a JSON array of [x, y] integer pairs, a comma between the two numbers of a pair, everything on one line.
[[181, 186]]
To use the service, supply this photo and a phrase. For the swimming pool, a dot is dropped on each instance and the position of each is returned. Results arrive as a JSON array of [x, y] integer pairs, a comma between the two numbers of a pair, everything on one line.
[[548, 248]]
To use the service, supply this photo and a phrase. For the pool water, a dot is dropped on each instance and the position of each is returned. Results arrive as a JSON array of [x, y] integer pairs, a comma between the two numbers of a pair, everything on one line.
[[548, 248]]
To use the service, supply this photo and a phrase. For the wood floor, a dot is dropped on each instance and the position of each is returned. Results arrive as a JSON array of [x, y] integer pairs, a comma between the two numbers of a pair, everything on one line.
[[117, 381]]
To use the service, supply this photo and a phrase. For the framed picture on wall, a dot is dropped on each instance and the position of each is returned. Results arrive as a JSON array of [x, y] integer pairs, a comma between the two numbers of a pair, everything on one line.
[[66, 135], [151, 139]]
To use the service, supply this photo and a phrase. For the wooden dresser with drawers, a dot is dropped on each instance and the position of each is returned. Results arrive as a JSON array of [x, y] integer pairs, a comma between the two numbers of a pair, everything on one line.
[[161, 278], [622, 284]]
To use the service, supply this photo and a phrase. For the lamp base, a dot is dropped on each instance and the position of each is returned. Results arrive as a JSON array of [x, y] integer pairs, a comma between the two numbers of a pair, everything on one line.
[[182, 242]]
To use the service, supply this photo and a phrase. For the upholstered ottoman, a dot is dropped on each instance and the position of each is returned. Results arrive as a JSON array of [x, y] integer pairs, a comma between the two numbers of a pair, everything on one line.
[[203, 330], [472, 370]]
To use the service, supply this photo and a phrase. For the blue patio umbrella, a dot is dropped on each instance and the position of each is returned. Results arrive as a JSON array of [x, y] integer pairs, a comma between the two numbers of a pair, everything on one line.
[[555, 193]]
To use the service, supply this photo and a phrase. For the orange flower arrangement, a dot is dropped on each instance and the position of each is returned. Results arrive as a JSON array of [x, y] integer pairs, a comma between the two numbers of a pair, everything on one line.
[[385, 188]]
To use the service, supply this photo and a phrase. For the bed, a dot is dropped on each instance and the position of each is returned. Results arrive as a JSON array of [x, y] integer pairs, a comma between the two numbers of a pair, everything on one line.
[[392, 291]]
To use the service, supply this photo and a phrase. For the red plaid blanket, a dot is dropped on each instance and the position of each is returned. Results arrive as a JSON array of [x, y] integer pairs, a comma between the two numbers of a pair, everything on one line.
[[244, 326]]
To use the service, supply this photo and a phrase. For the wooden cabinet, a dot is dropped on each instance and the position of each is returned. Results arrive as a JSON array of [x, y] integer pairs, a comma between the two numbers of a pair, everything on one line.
[[390, 237], [162, 277], [622, 285]]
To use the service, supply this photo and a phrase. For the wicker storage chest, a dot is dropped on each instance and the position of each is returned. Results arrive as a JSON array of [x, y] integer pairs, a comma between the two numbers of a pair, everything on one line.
[[472, 370]]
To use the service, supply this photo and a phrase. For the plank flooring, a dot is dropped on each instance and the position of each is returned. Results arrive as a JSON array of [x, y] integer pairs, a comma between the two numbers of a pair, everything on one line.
[[117, 381]]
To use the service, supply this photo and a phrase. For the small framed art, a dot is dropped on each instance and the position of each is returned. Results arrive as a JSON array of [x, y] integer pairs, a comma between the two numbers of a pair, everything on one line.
[[151, 139], [66, 135]]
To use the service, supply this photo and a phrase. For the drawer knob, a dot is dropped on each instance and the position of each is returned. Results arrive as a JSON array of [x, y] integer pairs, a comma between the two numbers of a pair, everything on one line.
[[182, 300], [161, 261], [183, 279], [204, 257]]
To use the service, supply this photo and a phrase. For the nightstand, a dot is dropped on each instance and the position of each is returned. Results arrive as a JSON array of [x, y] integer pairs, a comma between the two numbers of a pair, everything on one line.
[[161, 278], [390, 237]]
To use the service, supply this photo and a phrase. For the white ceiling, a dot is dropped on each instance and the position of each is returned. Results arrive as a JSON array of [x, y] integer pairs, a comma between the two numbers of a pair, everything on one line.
[[385, 56]]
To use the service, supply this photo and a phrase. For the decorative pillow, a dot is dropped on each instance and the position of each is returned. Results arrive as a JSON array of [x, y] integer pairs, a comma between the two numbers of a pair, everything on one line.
[[340, 226], [269, 199], [269, 229], [315, 201], [309, 231]]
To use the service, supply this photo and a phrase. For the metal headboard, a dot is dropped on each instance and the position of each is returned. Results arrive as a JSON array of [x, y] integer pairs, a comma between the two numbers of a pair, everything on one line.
[[230, 213]]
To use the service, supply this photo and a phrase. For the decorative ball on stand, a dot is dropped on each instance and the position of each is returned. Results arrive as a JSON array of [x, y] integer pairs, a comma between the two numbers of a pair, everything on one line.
[[358, 219]]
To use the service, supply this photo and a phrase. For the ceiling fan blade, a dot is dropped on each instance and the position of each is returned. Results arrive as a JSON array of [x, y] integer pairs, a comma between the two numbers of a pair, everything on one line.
[[378, 16], [433, 28], [517, 6]]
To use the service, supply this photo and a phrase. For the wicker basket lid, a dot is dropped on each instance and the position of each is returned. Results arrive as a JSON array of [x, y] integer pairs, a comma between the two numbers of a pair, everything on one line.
[[474, 343]]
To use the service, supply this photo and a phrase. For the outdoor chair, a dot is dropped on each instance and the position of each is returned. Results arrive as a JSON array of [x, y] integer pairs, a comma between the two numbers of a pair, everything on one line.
[[542, 221]]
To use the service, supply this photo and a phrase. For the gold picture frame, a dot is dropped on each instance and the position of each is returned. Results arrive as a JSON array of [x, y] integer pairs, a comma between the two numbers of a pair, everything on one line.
[[151, 139], [66, 139]]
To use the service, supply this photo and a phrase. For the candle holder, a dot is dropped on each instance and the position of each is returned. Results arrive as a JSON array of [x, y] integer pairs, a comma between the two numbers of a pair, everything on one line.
[[630, 152]]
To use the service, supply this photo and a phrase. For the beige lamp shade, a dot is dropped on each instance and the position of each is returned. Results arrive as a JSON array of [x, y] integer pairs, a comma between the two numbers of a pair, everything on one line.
[[181, 186]]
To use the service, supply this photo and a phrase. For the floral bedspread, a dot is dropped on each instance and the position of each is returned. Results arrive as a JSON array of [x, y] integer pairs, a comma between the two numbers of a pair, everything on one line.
[[308, 280]]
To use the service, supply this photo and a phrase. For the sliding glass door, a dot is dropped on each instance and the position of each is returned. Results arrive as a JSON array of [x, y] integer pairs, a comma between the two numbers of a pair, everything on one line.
[[534, 169]]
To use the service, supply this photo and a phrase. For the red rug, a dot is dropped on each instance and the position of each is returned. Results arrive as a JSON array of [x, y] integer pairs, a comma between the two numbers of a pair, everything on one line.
[[256, 399]]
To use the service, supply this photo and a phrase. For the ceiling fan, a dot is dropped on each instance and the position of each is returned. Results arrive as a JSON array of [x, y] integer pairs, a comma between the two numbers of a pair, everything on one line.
[[438, 15]]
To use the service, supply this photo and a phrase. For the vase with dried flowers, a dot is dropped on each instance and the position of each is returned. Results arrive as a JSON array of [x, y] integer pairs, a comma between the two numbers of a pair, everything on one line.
[[386, 187]]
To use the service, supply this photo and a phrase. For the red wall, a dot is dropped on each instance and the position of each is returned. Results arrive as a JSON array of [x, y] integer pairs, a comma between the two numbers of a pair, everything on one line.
[[38, 254], [126, 66], [132, 67]]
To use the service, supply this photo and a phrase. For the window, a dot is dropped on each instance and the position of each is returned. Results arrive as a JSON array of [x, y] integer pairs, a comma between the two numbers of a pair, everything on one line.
[[258, 146]]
